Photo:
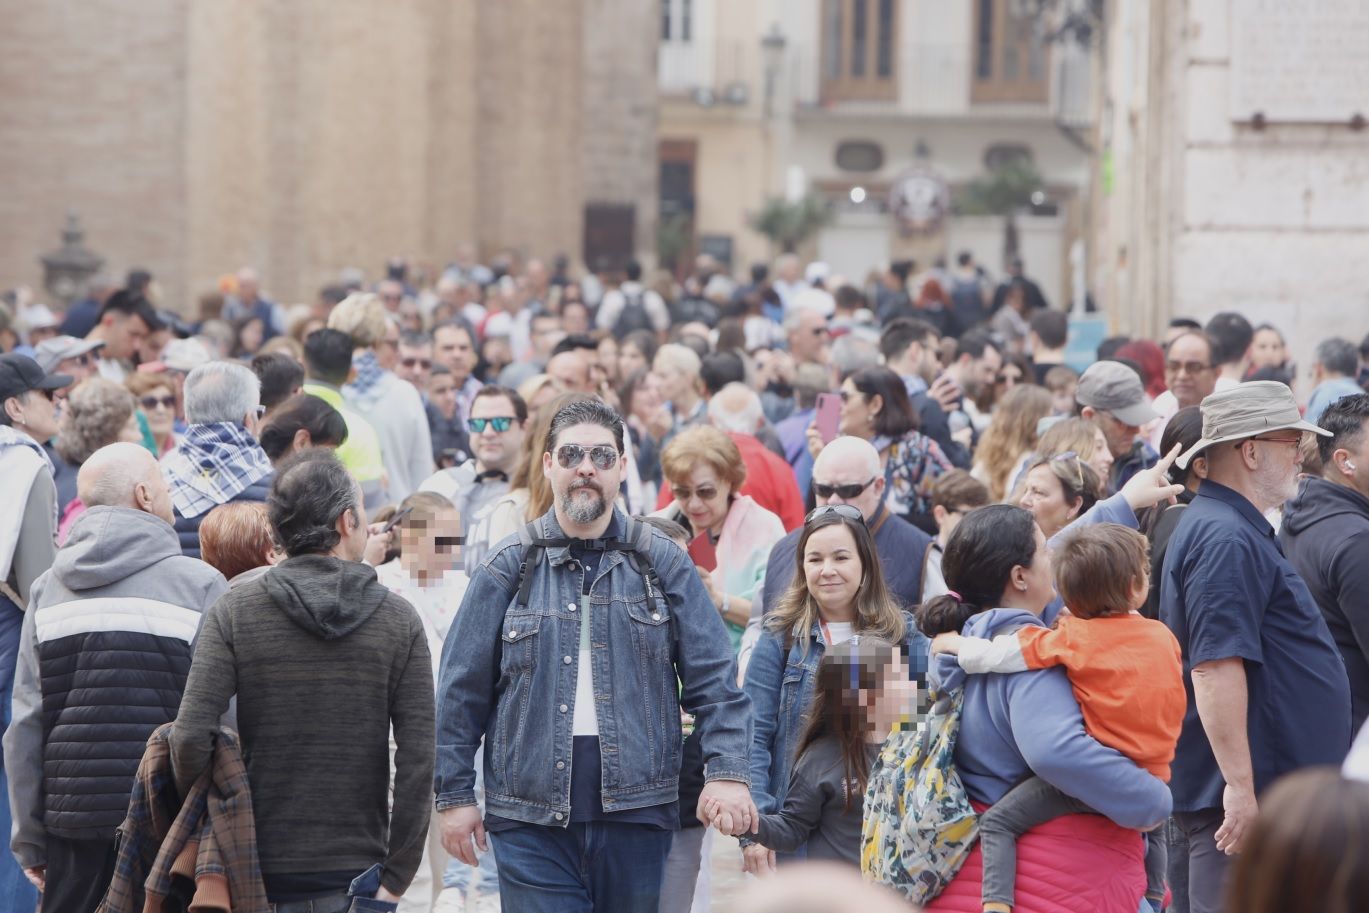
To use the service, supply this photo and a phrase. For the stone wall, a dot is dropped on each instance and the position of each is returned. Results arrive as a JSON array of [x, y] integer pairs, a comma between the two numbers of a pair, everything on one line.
[[302, 136], [1210, 211]]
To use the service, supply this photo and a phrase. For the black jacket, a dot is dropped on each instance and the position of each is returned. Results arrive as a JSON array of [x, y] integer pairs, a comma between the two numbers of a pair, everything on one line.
[[1325, 534], [188, 528]]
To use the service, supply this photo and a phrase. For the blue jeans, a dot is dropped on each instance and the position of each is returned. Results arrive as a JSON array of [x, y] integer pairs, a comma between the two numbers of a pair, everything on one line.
[[589, 867], [16, 893], [459, 875]]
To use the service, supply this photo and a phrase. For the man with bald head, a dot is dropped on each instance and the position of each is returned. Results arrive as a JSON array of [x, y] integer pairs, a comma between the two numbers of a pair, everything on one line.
[[119, 609], [848, 472]]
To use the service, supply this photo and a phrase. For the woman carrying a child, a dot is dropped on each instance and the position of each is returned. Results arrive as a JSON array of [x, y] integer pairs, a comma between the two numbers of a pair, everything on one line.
[[1029, 723]]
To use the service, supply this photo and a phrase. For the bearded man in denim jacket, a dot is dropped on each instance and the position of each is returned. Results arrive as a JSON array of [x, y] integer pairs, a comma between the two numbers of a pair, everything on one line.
[[576, 686]]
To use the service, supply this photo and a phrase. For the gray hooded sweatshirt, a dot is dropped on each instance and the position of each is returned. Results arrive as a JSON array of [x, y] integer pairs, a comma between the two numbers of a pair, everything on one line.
[[324, 660], [103, 660]]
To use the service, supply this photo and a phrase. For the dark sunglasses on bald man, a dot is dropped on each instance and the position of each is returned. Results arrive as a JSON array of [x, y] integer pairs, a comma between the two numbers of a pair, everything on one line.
[[571, 456], [845, 492]]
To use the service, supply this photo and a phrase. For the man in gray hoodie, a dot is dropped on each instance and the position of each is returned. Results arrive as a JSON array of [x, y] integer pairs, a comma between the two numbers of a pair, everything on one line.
[[324, 660], [103, 659]]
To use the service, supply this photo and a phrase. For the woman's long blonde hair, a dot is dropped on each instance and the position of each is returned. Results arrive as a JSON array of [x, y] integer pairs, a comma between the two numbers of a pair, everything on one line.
[[1011, 434], [876, 611]]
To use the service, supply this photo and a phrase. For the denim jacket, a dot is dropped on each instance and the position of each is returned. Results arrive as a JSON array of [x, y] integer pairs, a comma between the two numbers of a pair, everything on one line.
[[781, 686], [508, 674]]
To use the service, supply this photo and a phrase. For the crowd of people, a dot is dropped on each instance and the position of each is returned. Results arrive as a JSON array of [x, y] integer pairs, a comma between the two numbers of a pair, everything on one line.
[[502, 587]]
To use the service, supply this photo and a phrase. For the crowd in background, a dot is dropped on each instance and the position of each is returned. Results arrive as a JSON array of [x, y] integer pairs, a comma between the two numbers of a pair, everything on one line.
[[852, 465]]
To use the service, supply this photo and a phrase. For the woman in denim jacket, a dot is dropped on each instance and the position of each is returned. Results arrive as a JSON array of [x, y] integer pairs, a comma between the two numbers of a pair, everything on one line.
[[838, 591]]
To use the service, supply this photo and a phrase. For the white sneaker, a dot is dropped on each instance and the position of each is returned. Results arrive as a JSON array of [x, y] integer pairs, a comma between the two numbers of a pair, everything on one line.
[[451, 900], [487, 903]]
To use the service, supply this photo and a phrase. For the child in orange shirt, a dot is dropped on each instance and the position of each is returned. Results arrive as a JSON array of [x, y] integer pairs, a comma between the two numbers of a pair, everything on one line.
[[1126, 673]]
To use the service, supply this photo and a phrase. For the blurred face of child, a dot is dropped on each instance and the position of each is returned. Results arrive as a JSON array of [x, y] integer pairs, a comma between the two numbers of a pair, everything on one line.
[[430, 548], [894, 702], [1062, 399]]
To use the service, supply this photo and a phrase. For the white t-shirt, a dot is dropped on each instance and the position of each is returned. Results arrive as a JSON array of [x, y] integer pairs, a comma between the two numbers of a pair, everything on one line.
[[838, 632], [436, 604]]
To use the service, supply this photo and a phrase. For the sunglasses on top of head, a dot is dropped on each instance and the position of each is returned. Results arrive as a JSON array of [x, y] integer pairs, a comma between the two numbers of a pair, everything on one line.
[[846, 511]]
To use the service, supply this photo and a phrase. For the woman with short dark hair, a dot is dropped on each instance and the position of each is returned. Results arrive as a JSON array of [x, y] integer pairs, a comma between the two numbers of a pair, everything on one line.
[[875, 406], [301, 422]]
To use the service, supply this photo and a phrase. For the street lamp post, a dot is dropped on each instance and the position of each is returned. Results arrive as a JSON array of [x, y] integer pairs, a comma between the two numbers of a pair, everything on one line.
[[67, 270], [772, 48]]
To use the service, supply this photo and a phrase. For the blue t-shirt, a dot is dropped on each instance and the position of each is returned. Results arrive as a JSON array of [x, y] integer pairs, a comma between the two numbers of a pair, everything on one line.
[[1227, 591]]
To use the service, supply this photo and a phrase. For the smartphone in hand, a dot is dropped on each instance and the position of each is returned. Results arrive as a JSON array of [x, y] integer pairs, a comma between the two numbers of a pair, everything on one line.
[[828, 416]]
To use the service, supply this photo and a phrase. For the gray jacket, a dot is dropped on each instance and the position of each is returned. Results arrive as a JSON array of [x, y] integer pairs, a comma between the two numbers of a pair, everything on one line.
[[103, 660]]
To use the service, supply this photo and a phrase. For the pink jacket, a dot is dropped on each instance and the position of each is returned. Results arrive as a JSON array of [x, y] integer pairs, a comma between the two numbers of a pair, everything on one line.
[[1074, 864]]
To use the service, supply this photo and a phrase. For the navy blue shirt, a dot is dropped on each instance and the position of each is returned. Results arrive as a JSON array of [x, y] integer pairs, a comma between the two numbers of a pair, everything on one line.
[[902, 549], [1227, 592]]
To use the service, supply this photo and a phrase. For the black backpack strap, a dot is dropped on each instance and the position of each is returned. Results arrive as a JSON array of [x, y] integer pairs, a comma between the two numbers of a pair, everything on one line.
[[637, 538], [528, 535]]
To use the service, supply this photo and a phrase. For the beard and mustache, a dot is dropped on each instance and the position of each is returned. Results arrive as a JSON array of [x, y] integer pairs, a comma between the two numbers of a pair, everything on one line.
[[583, 510]]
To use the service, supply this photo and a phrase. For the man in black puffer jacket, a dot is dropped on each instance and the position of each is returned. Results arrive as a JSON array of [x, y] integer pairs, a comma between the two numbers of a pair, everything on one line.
[[1325, 533], [103, 661], [218, 459]]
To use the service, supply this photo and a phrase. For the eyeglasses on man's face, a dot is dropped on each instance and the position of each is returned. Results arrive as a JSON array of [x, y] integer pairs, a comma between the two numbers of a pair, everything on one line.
[[845, 492], [500, 423], [570, 456], [424, 363], [1191, 368]]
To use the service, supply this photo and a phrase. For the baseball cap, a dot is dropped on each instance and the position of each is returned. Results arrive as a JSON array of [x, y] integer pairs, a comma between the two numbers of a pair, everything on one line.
[[19, 374], [1113, 387], [1245, 410], [184, 355], [52, 352]]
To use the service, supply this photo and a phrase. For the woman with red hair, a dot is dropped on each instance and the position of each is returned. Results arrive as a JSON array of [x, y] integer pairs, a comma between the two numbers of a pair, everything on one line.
[[1150, 358]]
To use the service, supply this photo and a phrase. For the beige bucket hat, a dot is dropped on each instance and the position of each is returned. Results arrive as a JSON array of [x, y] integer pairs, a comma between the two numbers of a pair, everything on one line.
[[1246, 410]]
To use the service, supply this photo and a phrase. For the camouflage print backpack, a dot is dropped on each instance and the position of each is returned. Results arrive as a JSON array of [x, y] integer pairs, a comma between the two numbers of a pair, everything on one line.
[[919, 826]]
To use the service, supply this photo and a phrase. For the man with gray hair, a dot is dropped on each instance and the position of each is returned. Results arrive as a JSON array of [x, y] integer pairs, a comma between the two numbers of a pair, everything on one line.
[[1335, 372], [103, 660], [1267, 688], [736, 409], [218, 459]]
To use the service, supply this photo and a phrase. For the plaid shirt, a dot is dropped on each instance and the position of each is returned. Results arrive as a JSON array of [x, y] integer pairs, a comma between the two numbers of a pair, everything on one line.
[[211, 838], [211, 465]]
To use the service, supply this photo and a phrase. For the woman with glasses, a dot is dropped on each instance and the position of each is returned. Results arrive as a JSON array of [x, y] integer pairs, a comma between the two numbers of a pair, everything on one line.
[[156, 400], [838, 591], [1059, 490], [1082, 437], [875, 406], [97, 412], [732, 534]]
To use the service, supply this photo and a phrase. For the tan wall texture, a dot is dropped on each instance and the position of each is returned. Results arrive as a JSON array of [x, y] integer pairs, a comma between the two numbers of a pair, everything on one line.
[[300, 136]]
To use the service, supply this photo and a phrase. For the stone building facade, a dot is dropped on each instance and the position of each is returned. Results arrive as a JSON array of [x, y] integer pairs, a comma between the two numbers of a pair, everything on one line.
[[302, 136], [1234, 169]]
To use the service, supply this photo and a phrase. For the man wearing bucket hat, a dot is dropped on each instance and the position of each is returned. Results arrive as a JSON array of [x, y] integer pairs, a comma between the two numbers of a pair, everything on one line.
[[1267, 687], [1111, 394]]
